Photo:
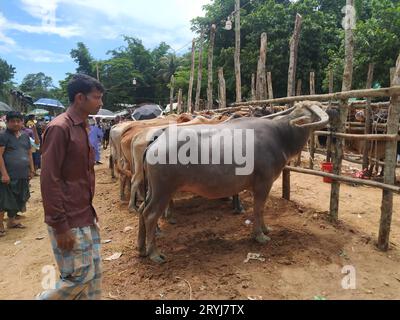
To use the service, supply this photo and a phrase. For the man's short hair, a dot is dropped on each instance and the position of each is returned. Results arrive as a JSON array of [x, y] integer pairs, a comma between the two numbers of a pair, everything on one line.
[[14, 115], [82, 83]]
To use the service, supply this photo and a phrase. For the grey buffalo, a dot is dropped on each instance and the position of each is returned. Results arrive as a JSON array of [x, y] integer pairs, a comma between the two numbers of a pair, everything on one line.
[[190, 159]]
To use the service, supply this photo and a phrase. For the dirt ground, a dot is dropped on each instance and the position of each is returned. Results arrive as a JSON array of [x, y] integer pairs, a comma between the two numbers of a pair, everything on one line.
[[207, 247]]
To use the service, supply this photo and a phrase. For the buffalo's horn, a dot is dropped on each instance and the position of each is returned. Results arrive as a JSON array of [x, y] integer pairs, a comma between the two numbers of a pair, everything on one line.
[[279, 113], [323, 116]]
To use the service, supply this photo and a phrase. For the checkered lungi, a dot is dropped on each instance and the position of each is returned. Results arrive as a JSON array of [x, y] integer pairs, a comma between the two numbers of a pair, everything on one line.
[[80, 269]]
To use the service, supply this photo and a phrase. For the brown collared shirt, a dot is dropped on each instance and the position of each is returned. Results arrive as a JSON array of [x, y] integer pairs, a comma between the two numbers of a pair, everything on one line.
[[67, 176]]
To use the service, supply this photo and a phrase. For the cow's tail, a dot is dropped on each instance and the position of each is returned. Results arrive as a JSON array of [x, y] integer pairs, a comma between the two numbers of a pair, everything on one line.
[[145, 184]]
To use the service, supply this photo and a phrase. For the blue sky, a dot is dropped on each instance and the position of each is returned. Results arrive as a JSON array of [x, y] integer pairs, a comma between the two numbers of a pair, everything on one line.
[[37, 35]]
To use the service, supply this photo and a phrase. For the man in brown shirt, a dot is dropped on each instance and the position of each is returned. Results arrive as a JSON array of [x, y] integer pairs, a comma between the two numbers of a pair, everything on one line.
[[67, 184]]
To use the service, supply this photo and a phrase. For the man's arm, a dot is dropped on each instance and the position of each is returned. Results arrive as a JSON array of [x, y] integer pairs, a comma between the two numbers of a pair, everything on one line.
[[35, 135], [53, 155], [5, 178], [31, 165]]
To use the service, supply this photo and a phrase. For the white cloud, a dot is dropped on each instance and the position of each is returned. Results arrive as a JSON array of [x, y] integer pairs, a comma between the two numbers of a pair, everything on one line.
[[3, 38], [36, 55]]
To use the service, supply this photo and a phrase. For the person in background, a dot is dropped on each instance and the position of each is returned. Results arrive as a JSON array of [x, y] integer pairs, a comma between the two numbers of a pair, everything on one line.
[[106, 130], [95, 137], [16, 169]]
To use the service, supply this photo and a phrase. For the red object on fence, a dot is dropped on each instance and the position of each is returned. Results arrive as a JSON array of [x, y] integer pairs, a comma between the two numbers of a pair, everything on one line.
[[327, 167]]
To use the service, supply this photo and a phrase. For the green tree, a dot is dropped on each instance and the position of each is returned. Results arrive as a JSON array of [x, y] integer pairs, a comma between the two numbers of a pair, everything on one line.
[[83, 58], [7, 73], [37, 85]]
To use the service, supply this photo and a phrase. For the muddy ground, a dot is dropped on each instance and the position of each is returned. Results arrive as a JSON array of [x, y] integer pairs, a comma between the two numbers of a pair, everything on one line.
[[207, 247]]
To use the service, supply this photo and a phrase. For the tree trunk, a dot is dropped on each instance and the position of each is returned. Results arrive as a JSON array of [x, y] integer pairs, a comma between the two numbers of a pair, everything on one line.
[[312, 137], [294, 45], [270, 88], [199, 73], [171, 95], [190, 92], [390, 164], [261, 75], [368, 117], [237, 53], [253, 87], [222, 89], [339, 125], [210, 102], [180, 102]]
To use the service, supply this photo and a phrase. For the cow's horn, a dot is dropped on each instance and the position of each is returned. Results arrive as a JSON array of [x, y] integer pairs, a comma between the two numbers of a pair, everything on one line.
[[279, 113], [323, 116]]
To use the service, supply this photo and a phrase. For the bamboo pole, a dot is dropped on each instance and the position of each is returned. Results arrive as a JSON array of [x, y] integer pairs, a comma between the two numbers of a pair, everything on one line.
[[331, 81], [392, 70], [373, 93], [222, 89], [390, 167], [368, 117], [210, 100], [171, 95], [294, 45], [298, 93], [261, 83], [312, 137], [368, 183], [199, 73], [191, 80], [253, 86], [237, 53], [180, 102], [298, 90], [375, 137], [329, 139], [339, 126], [270, 88]]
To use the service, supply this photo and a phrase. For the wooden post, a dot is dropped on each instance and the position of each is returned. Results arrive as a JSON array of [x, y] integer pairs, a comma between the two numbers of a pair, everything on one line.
[[237, 53], [294, 45], [190, 92], [199, 73], [210, 102], [261, 76], [180, 102], [331, 81], [312, 137], [222, 89], [286, 184], [270, 88], [339, 125], [390, 165], [368, 117], [171, 95], [312, 83], [329, 139], [298, 93], [392, 70], [298, 90], [253, 87]]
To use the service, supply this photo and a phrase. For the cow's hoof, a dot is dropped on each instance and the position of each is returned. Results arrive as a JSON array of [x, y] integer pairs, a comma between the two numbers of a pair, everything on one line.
[[266, 230], [142, 253], [132, 208], [262, 238], [171, 220], [239, 211], [158, 258], [159, 233]]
